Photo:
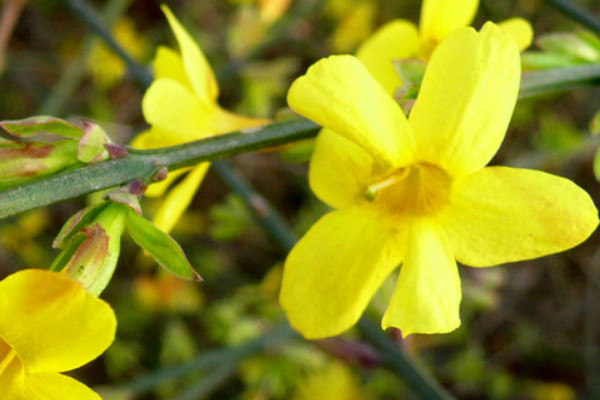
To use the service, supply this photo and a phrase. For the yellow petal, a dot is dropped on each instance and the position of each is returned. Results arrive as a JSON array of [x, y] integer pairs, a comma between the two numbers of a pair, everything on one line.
[[334, 270], [54, 387], [340, 94], [223, 121], [427, 296], [339, 170], [521, 31], [466, 100], [179, 198], [51, 322], [197, 68], [395, 40], [439, 18], [502, 214], [171, 108], [11, 373], [145, 140], [168, 65], [159, 188]]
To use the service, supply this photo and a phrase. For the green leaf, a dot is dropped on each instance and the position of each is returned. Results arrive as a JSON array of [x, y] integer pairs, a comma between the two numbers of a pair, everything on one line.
[[30, 127], [532, 60], [568, 44], [160, 246]]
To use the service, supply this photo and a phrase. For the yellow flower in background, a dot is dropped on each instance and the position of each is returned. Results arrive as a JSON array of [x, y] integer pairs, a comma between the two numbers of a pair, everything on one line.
[[181, 106], [49, 324], [354, 23], [106, 68], [401, 39], [416, 191]]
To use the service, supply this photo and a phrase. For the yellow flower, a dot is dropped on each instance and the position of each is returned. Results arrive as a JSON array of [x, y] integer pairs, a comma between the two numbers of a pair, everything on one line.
[[416, 191], [181, 106], [401, 39], [49, 324]]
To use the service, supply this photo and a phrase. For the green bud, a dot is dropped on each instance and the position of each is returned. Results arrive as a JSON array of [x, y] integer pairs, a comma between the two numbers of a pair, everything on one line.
[[90, 255], [22, 162], [92, 145]]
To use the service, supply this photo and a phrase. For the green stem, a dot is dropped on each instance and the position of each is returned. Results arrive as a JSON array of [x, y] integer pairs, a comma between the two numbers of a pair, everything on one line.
[[85, 12], [397, 360], [576, 13], [63, 90], [265, 214], [210, 359], [207, 385], [142, 164]]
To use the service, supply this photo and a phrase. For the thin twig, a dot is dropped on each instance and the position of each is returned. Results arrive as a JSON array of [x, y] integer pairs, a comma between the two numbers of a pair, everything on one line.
[[72, 75], [265, 214], [577, 13], [85, 12], [10, 14]]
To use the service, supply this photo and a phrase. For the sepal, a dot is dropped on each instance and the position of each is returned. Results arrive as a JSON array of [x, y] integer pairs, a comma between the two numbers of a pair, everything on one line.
[[35, 128], [91, 147]]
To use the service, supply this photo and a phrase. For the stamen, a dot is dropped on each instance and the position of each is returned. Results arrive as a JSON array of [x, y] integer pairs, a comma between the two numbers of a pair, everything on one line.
[[372, 190]]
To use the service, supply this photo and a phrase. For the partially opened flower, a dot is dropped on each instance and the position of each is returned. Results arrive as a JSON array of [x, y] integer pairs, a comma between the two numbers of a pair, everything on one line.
[[49, 324], [181, 106], [416, 191], [401, 39]]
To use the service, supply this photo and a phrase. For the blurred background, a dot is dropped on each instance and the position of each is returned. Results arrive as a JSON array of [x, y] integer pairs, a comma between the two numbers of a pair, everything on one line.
[[530, 330]]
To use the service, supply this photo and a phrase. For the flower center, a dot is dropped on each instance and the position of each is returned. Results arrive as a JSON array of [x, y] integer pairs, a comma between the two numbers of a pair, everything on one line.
[[7, 355], [416, 190]]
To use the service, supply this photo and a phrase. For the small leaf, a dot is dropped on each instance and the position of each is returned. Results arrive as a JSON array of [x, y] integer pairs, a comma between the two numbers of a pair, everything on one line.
[[33, 126], [160, 246]]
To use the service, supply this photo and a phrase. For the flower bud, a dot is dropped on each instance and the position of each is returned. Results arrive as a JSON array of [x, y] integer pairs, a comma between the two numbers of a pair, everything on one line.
[[91, 248], [22, 162]]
